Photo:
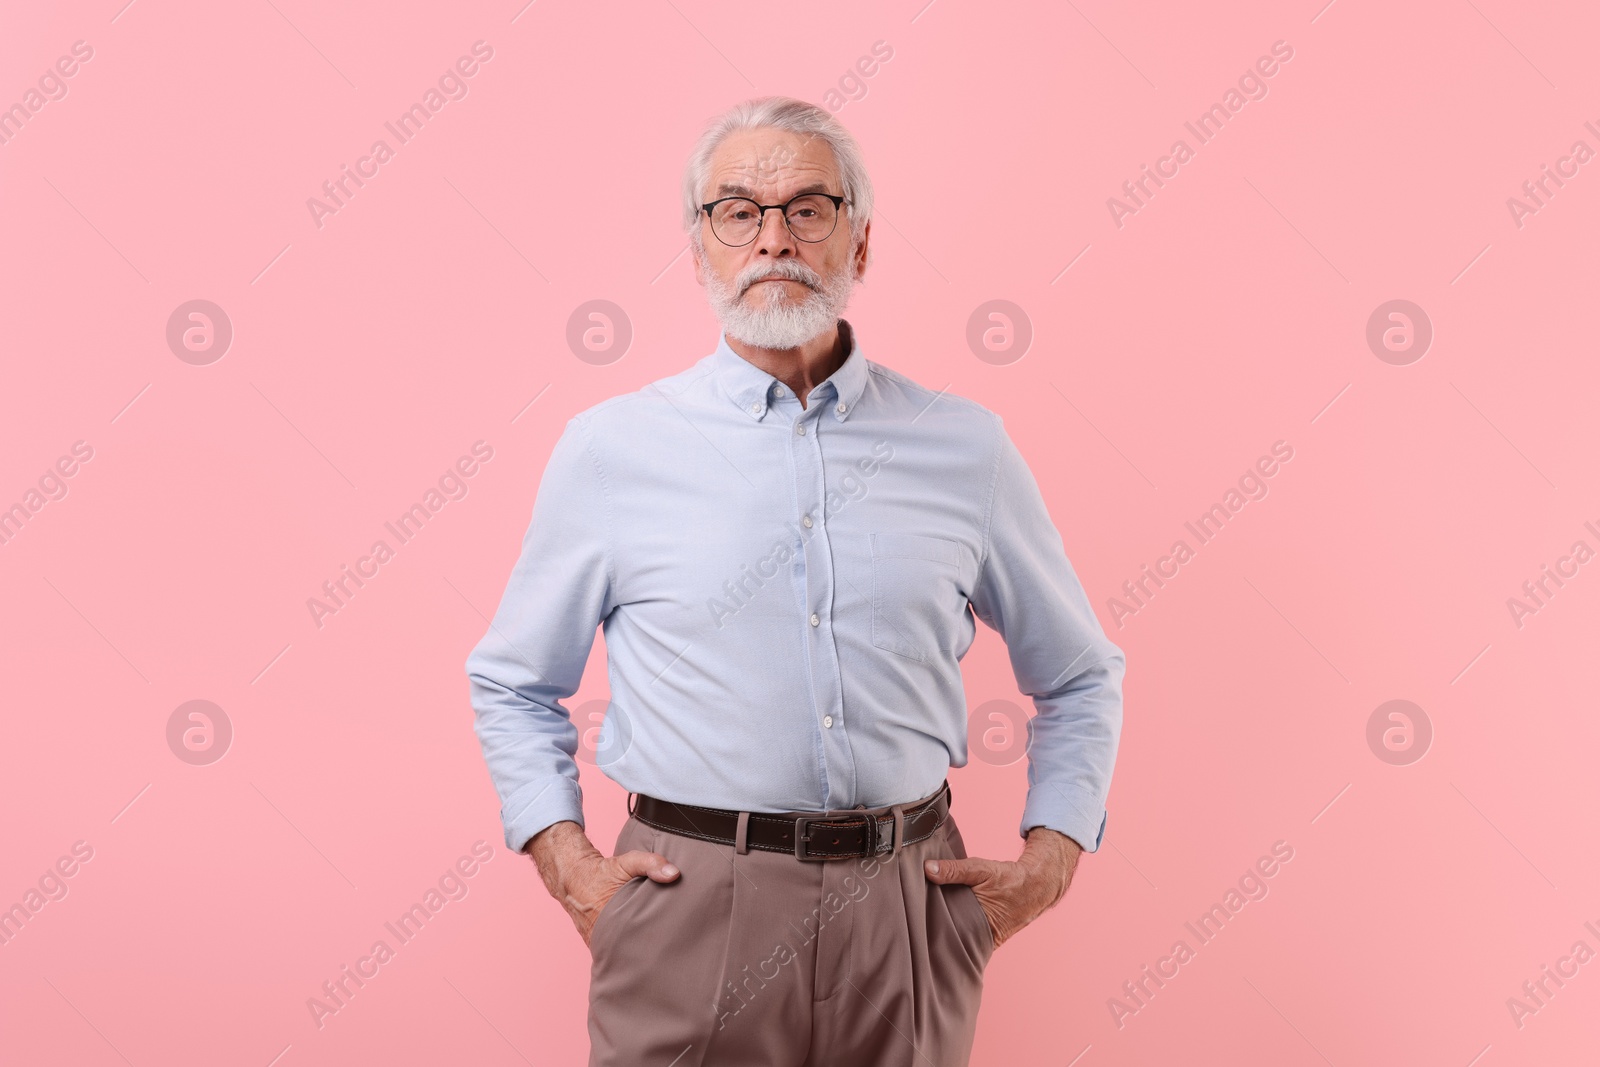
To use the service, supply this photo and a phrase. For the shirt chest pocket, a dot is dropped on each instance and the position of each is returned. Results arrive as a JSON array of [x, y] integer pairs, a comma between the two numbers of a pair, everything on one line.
[[916, 602]]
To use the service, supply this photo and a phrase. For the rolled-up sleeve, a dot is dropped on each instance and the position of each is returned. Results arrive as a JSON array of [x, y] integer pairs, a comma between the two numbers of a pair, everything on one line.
[[533, 656], [1027, 591]]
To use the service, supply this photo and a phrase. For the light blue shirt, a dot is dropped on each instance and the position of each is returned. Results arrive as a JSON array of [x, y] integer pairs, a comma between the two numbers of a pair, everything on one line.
[[786, 594]]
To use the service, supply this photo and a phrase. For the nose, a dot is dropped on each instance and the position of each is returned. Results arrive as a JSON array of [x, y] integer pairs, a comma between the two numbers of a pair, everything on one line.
[[775, 239]]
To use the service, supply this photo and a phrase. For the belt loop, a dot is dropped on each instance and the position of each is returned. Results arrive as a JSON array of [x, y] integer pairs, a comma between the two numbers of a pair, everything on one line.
[[633, 799], [899, 812], [741, 836]]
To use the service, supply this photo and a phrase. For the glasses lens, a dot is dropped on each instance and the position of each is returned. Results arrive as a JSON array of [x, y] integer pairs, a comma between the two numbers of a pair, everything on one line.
[[812, 218], [735, 222]]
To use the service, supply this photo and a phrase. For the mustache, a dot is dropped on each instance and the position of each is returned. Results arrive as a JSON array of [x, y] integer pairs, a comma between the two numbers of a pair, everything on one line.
[[794, 272]]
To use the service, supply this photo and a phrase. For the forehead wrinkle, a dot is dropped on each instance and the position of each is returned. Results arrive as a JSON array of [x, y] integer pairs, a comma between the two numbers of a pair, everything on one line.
[[737, 189], [792, 179], [745, 168]]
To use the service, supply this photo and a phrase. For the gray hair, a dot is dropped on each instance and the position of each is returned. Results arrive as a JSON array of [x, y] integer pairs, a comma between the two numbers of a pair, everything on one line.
[[797, 117]]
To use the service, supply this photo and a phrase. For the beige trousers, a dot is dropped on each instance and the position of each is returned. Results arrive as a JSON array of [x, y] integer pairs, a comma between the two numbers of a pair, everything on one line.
[[763, 959]]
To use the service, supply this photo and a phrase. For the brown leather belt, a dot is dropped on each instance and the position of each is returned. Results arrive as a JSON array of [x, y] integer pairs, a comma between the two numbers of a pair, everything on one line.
[[825, 836]]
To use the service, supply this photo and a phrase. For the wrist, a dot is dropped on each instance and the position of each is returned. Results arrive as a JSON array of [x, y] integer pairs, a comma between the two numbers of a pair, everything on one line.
[[1051, 856], [1044, 841], [557, 835], [554, 848]]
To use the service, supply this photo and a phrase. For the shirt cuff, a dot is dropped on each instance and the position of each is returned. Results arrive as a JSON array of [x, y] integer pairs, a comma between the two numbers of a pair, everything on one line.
[[1068, 811], [539, 804]]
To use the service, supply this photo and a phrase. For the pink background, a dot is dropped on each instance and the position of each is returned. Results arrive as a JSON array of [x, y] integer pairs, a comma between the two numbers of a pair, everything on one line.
[[1229, 313]]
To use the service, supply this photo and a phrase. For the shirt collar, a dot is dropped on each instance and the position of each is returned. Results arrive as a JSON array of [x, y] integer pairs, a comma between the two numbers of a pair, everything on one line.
[[750, 387]]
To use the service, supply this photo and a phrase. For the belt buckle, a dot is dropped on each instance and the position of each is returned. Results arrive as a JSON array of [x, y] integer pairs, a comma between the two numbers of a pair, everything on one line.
[[877, 842], [801, 824]]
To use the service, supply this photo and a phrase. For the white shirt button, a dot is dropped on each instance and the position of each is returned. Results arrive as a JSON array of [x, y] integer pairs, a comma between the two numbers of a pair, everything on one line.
[[842, 408], [827, 721], [806, 521], [800, 428], [755, 409], [778, 389], [814, 620]]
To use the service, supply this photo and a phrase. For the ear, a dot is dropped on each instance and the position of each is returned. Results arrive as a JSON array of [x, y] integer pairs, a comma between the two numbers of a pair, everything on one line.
[[861, 259], [699, 264]]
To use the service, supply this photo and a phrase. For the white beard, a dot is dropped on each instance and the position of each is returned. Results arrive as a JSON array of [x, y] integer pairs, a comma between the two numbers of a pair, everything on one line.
[[772, 319]]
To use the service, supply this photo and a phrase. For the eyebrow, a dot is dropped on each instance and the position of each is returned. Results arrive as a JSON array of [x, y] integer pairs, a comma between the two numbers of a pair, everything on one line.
[[735, 189]]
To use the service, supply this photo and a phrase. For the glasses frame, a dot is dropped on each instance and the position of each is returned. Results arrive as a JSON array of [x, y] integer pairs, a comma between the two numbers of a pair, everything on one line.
[[838, 205]]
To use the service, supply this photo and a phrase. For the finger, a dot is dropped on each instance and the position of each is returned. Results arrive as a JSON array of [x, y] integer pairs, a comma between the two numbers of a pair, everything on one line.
[[950, 871], [653, 865]]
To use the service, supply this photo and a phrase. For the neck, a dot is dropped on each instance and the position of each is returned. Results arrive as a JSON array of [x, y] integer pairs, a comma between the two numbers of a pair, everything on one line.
[[803, 368]]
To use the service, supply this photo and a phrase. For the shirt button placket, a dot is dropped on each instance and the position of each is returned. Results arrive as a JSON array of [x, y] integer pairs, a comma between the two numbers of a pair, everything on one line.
[[814, 466], [837, 771]]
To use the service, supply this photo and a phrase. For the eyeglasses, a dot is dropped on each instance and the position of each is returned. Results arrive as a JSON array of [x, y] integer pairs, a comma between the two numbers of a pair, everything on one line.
[[811, 217]]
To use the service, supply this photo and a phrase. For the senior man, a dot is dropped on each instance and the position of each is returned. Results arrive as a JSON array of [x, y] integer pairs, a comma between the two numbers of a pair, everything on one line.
[[786, 546]]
